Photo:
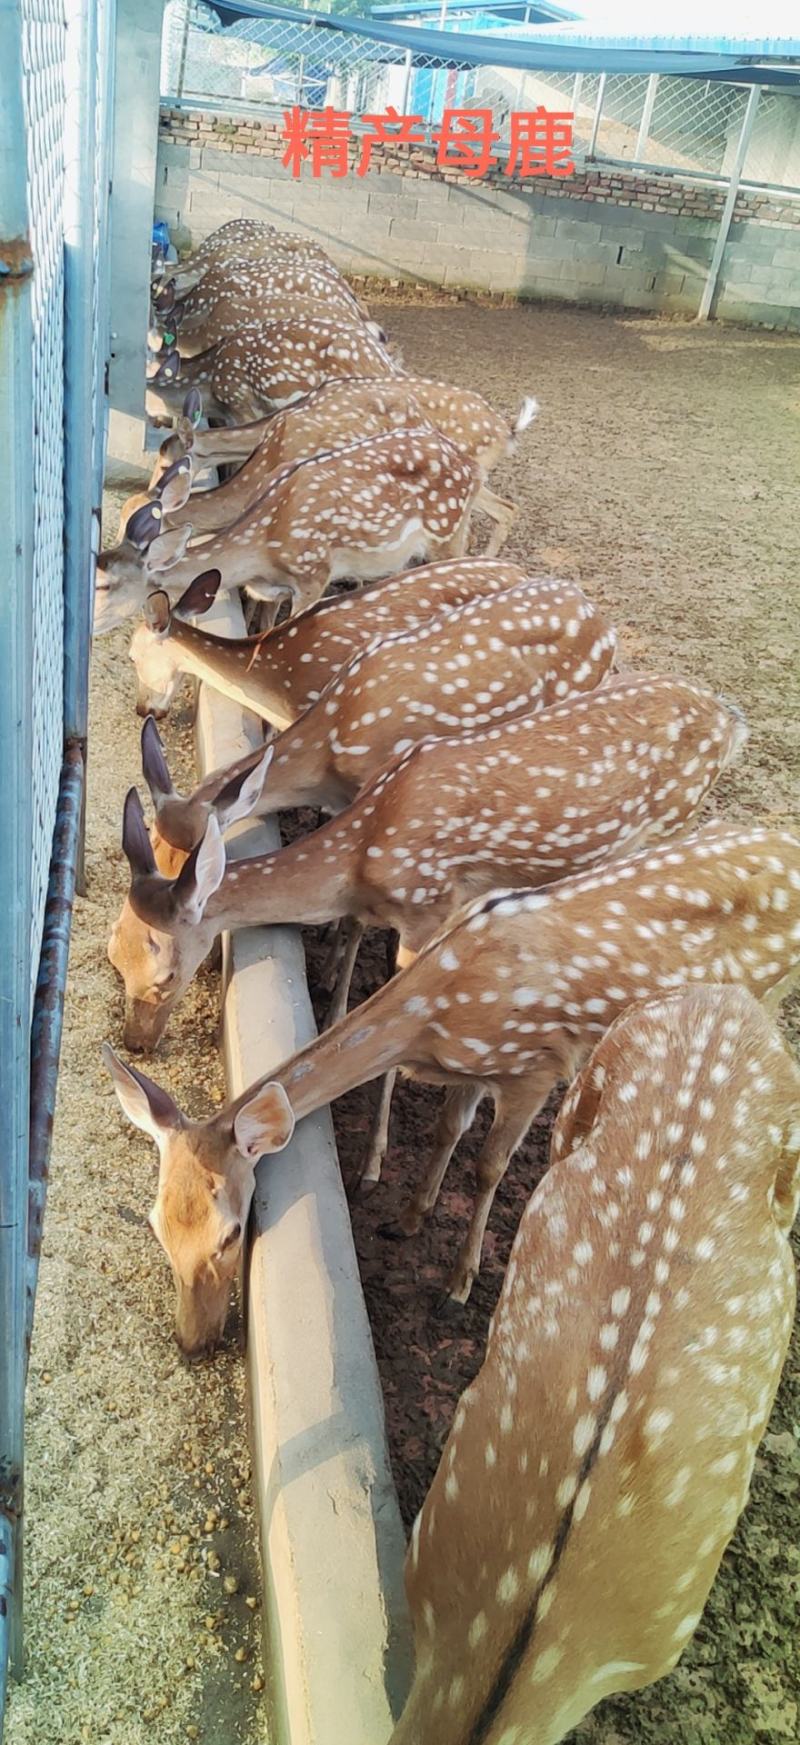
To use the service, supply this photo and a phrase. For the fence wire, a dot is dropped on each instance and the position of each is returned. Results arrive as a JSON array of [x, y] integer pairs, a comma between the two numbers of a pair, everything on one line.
[[270, 64], [43, 95]]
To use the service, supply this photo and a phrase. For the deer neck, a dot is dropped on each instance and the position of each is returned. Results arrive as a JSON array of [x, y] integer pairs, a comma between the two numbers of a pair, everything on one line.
[[240, 560], [308, 883], [222, 447], [369, 1042], [228, 664], [302, 772]]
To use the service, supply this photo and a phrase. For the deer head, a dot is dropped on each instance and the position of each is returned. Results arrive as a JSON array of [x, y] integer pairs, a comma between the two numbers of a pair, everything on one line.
[[124, 571], [154, 652], [163, 933], [205, 1186]]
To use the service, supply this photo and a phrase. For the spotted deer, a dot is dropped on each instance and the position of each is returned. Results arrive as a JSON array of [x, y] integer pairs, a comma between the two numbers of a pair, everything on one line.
[[257, 284], [376, 706], [450, 819], [266, 366], [344, 412], [507, 1002], [362, 512], [598, 1464], [242, 306], [519, 1043], [278, 674], [243, 239]]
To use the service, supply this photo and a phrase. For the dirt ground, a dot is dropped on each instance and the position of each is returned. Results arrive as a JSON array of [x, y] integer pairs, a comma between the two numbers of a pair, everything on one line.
[[662, 476], [139, 1515]]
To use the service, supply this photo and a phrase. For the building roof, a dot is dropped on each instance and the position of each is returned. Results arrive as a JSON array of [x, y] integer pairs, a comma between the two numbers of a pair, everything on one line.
[[539, 11], [561, 47]]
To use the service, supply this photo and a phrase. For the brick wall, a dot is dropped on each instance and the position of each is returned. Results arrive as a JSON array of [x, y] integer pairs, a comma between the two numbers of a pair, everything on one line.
[[605, 236]]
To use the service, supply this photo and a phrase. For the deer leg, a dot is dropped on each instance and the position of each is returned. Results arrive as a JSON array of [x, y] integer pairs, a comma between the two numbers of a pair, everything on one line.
[[260, 612], [455, 1116], [515, 1109], [457, 545], [503, 514], [378, 1137], [350, 934]]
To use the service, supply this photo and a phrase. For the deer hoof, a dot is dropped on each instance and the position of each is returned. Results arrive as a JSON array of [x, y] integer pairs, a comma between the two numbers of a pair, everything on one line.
[[393, 1231]]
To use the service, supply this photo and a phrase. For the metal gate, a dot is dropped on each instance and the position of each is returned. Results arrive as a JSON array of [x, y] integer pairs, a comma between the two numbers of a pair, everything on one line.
[[57, 61]]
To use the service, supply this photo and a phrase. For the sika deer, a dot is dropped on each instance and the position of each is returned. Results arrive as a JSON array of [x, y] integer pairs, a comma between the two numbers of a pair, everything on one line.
[[448, 820], [244, 239], [598, 1464], [278, 674], [344, 412], [364, 511], [340, 742], [502, 1003], [241, 309], [266, 366], [251, 290]]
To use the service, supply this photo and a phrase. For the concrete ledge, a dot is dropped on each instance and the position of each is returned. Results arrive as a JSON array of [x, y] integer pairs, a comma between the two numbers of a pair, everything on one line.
[[337, 1637]]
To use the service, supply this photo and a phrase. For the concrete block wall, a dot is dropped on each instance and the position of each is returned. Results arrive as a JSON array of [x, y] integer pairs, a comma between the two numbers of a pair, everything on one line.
[[607, 237]]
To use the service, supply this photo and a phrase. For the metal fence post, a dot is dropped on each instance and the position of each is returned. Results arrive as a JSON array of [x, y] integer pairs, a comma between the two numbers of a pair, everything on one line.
[[727, 211], [598, 110], [647, 116], [407, 66], [16, 644], [80, 150]]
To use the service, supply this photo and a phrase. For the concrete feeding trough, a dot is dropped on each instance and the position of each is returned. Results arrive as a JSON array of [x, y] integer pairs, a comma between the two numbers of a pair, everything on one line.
[[337, 1634]]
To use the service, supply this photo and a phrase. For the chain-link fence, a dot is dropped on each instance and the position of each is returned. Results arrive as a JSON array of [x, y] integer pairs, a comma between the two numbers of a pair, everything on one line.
[[688, 126], [54, 127]]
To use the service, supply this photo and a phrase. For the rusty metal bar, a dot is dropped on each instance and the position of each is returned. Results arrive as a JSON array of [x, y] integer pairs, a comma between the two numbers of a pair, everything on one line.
[[48, 1009]]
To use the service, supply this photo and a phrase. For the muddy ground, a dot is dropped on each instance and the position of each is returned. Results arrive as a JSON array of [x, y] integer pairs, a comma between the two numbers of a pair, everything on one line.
[[661, 476]]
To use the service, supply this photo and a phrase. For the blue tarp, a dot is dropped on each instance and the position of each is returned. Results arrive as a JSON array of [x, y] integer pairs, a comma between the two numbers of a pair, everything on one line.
[[533, 55]]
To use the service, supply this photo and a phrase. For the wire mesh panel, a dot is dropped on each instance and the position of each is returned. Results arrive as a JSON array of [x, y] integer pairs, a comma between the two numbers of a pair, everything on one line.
[[43, 95], [689, 124], [695, 125]]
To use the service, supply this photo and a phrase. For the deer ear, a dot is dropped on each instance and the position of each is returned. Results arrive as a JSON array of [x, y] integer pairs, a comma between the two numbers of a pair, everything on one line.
[[175, 484], [193, 406], [242, 793], [157, 611], [170, 450], [202, 873], [144, 525], [145, 1103], [135, 838], [168, 549], [168, 369], [165, 297], [154, 763], [265, 1124], [200, 594]]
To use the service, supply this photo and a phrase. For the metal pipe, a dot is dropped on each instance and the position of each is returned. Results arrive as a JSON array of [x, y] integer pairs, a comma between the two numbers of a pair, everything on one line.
[[80, 150], [647, 116], [598, 110], [720, 245], [48, 1008], [184, 46], [408, 60], [16, 760], [105, 105]]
